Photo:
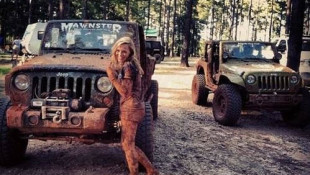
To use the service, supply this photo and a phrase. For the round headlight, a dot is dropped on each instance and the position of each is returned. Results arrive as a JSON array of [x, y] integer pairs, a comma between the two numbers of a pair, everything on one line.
[[104, 84], [294, 79], [22, 82], [250, 79]]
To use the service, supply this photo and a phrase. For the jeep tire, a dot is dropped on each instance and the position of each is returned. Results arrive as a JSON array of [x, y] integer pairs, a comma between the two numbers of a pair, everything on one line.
[[227, 105], [154, 101], [299, 116], [199, 91], [144, 136], [12, 147], [158, 58]]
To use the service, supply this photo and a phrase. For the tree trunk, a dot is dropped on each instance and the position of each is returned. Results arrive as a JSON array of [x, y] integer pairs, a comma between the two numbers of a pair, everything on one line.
[[128, 9], [30, 11], [237, 19], [168, 28], [233, 8], [163, 26], [84, 12], [271, 21], [105, 9], [50, 9], [222, 21], [250, 11], [288, 16], [187, 34], [212, 20], [296, 32], [179, 32], [159, 20], [61, 9], [308, 20], [173, 28], [148, 13]]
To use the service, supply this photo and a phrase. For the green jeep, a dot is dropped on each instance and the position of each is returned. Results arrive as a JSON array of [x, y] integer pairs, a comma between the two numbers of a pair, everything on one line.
[[247, 75]]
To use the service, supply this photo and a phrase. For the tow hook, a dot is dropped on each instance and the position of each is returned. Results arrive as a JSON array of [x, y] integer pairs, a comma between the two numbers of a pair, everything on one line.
[[57, 118]]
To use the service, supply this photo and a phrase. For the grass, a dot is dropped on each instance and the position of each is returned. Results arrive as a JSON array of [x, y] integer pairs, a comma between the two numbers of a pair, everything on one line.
[[4, 70]]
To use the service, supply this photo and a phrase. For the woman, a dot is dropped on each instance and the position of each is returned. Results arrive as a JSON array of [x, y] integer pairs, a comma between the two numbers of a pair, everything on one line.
[[125, 74]]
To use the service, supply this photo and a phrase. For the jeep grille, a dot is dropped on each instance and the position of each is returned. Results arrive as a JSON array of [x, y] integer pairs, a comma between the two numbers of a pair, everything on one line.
[[273, 83], [80, 86]]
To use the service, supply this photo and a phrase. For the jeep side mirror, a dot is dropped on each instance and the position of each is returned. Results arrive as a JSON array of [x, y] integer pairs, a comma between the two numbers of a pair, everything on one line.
[[40, 35], [281, 48]]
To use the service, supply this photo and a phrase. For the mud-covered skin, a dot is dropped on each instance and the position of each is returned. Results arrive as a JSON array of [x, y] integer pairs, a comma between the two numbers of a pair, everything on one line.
[[132, 112]]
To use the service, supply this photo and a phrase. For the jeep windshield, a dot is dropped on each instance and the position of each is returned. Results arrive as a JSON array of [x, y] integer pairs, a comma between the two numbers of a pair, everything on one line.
[[248, 50], [84, 36]]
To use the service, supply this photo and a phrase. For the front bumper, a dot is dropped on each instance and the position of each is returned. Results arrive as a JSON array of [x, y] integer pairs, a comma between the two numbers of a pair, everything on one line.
[[273, 101], [30, 121]]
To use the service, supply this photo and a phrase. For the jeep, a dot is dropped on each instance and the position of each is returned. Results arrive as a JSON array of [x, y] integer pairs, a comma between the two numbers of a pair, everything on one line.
[[304, 66], [247, 75], [64, 92], [155, 49]]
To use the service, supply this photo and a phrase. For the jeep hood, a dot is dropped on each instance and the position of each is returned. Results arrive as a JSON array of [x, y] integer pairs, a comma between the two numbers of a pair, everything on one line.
[[68, 61], [255, 66]]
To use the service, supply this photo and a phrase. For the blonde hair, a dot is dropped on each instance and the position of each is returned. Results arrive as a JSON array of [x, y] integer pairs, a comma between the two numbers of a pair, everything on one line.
[[132, 57]]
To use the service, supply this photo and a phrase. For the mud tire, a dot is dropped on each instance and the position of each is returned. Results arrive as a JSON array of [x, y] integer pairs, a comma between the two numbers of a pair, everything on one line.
[[299, 116], [199, 91], [144, 136], [12, 147], [154, 101], [158, 58], [227, 105]]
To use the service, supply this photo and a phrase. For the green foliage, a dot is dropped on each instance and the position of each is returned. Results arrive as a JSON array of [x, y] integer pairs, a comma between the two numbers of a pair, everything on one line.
[[4, 71], [218, 15]]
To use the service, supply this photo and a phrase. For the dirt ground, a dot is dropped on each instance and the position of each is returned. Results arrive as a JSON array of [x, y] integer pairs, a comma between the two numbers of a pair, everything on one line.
[[187, 141]]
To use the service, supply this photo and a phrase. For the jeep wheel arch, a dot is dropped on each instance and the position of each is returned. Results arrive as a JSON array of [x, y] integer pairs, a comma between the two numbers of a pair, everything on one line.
[[231, 78], [12, 147], [227, 104]]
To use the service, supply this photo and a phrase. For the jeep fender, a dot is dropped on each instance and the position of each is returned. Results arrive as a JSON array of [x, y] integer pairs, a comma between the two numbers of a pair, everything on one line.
[[232, 78], [201, 67]]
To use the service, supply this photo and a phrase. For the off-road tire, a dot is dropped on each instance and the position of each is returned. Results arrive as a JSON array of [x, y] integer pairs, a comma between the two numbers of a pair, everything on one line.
[[299, 116], [227, 105], [12, 147], [144, 136], [158, 58], [154, 101], [199, 91]]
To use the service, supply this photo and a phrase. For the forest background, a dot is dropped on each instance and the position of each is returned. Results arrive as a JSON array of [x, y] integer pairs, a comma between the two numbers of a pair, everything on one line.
[[182, 25]]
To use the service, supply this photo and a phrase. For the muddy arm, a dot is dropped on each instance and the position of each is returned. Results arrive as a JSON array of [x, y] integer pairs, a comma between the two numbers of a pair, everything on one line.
[[124, 86]]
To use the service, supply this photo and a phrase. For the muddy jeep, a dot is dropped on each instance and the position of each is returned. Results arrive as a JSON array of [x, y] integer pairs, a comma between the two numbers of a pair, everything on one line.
[[64, 92], [247, 75]]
